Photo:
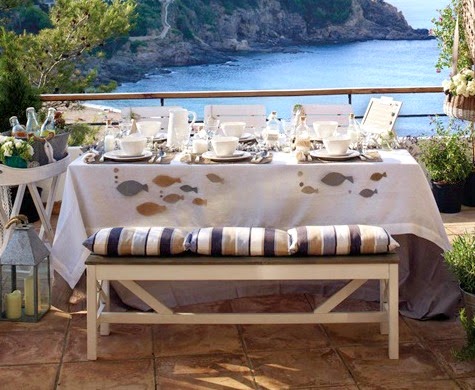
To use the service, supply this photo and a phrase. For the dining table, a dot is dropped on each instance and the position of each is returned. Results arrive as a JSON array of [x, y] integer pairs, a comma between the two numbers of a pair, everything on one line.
[[389, 190]]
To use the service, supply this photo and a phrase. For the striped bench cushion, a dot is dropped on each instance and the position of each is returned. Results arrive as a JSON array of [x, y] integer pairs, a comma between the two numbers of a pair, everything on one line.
[[136, 241], [340, 240], [238, 241]]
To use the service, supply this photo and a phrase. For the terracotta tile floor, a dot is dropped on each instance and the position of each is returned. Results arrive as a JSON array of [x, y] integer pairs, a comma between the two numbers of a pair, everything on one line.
[[52, 353]]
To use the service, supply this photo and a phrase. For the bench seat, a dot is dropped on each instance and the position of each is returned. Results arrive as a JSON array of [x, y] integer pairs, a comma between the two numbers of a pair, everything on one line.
[[127, 270]]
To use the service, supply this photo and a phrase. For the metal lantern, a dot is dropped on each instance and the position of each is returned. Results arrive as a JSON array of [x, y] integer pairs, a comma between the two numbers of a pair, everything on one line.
[[25, 288]]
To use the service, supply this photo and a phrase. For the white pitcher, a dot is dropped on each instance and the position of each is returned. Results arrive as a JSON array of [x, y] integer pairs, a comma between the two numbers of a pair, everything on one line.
[[178, 126]]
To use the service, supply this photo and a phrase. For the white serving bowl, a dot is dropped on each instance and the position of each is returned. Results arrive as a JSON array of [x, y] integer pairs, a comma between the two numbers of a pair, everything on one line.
[[149, 128], [233, 129], [325, 129], [133, 145], [337, 145], [224, 146]]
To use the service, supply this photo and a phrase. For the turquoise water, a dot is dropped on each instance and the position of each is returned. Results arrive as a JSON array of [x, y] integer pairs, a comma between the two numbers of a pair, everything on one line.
[[360, 64]]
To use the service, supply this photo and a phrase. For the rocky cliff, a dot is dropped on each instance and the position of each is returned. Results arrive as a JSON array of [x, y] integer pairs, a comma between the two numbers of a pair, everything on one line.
[[199, 31]]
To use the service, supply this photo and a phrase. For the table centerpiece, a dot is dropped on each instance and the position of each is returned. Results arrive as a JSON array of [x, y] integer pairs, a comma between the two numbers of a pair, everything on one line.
[[15, 152]]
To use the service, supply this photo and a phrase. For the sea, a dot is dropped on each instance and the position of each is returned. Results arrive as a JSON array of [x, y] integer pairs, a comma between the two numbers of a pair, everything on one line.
[[360, 64]]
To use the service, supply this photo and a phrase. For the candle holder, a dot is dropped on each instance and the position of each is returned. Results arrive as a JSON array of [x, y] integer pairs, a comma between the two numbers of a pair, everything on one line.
[[25, 286]]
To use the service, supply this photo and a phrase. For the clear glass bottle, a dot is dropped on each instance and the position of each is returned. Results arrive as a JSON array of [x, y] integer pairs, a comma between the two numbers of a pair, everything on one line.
[[48, 125], [302, 136], [18, 131], [273, 124], [109, 139], [353, 131], [32, 126]]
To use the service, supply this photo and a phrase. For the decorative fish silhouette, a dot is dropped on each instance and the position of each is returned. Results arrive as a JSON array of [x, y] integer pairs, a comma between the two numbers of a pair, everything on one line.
[[131, 187], [335, 179], [200, 202], [309, 190], [166, 181], [378, 176], [214, 178], [173, 198], [367, 193], [149, 208], [187, 188]]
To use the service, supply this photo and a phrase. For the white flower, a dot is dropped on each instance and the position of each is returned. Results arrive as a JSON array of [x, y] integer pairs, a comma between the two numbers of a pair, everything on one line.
[[461, 84]]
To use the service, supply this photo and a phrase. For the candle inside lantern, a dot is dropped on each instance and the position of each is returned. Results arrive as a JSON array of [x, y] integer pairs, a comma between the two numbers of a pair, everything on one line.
[[29, 296], [13, 305]]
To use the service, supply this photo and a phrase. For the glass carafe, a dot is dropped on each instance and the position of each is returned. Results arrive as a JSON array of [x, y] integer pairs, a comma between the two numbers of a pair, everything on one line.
[[48, 125], [18, 131], [32, 126]]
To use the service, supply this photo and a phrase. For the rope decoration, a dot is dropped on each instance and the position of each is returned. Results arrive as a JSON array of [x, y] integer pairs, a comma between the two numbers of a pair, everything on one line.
[[19, 219]]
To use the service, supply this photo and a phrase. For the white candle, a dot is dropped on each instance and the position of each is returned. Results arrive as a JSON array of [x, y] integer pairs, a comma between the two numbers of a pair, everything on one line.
[[109, 143], [13, 305], [29, 296], [200, 146]]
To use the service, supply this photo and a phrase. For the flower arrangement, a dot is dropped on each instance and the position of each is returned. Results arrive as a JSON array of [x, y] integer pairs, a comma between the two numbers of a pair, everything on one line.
[[10, 146], [462, 84]]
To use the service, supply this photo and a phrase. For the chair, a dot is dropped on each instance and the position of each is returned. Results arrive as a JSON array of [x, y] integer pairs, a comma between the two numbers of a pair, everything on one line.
[[381, 115], [158, 113], [328, 112], [253, 114]]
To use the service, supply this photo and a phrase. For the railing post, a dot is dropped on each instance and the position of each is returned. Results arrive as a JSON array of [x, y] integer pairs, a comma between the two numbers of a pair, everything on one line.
[[349, 98], [162, 101]]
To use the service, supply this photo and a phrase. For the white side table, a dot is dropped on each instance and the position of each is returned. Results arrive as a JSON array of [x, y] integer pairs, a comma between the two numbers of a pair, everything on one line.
[[28, 178]]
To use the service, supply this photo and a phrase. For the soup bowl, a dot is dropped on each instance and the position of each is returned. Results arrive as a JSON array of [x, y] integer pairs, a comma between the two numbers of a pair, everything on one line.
[[337, 145], [324, 129], [133, 145], [149, 128], [224, 146], [233, 129]]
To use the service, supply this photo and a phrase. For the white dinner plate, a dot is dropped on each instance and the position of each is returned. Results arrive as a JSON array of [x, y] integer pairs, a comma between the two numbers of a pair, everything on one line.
[[118, 155], [238, 155], [323, 154]]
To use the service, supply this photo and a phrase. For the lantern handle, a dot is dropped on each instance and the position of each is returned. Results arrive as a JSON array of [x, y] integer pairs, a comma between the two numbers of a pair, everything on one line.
[[20, 218]]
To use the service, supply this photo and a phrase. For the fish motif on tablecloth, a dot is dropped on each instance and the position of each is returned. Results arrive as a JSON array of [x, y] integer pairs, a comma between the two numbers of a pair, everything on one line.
[[148, 208], [377, 176], [213, 178], [165, 180], [368, 193], [131, 187], [187, 188], [200, 202], [173, 198], [335, 179], [309, 190]]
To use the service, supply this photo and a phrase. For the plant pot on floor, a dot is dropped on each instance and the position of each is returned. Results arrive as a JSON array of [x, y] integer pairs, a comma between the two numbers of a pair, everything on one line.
[[469, 191], [448, 196], [468, 303]]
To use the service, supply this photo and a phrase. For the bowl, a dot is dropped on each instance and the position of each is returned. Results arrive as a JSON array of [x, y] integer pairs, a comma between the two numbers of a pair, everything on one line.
[[325, 129], [224, 146], [233, 129], [337, 145], [133, 145], [149, 128]]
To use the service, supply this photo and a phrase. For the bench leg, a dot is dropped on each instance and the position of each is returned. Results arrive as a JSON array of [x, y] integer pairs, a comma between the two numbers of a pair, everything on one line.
[[91, 313], [104, 328], [383, 305], [393, 308]]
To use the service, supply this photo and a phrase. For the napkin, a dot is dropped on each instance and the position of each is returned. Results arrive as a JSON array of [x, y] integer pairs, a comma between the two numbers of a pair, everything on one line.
[[90, 157]]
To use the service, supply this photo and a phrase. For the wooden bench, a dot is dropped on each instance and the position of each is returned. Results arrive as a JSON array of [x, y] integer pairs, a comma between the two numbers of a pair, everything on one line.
[[128, 270]]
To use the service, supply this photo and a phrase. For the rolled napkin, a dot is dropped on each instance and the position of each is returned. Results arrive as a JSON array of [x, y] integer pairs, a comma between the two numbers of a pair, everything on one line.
[[90, 157]]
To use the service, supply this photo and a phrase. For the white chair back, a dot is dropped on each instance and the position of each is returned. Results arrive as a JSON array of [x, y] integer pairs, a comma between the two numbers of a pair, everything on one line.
[[381, 115], [253, 114], [152, 113], [328, 112]]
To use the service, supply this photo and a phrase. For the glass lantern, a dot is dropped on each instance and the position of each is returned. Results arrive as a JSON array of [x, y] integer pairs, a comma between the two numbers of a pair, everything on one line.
[[25, 288]]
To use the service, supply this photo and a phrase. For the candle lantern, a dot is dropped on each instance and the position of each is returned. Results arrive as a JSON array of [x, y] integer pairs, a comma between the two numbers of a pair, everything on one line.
[[25, 288]]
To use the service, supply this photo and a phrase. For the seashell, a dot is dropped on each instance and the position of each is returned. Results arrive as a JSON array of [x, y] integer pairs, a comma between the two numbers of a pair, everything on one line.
[[131, 187], [309, 190], [187, 188], [378, 176], [335, 179], [200, 202], [166, 181], [173, 198], [149, 208], [214, 178], [367, 193]]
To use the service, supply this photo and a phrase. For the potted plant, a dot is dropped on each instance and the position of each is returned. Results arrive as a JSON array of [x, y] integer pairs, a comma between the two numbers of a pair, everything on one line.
[[15, 152], [447, 160], [461, 262]]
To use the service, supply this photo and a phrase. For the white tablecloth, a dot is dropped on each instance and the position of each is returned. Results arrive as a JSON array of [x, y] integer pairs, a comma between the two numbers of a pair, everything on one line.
[[394, 194]]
